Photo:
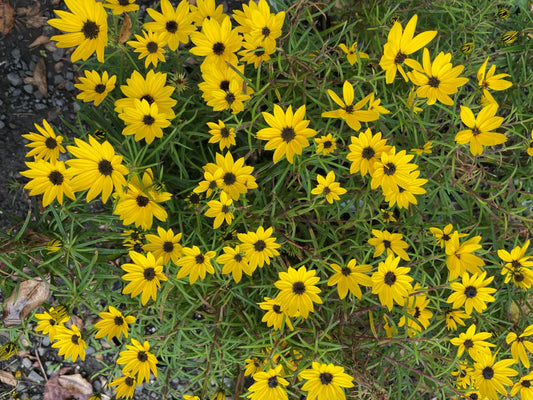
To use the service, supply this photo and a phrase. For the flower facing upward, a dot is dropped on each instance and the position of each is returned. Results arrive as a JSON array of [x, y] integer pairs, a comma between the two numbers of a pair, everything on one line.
[[234, 262], [220, 210], [86, 25], [524, 386], [139, 361], [399, 45], [391, 283], [443, 236], [349, 278], [221, 134], [324, 382], [253, 365], [149, 46], [233, 177], [165, 245], [70, 343], [404, 194], [113, 324], [259, 246], [268, 385], [288, 132], [365, 151], [392, 242], [487, 80], [517, 266], [139, 202], [144, 120], [206, 9], [349, 112], [463, 375], [328, 187], [95, 87], [121, 6], [472, 342], [50, 321], [326, 144], [298, 291], [45, 144], [175, 24], [351, 53], [97, 168], [195, 264], [125, 386], [472, 292], [52, 180], [519, 344], [274, 317], [144, 274], [437, 80], [392, 170], [460, 258], [480, 129], [490, 376], [418, 313]]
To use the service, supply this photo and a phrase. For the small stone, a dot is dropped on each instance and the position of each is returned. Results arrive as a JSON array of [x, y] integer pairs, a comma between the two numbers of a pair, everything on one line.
[[38, 95], [15, 53], [2, 124], [35, 377], [69, 86], [58, 54], [46, 341], [76, 107], [97, 386], [58, 79], [26, 363], [89, 350], [28, 89], [16, 92], [70, 75], [40, 106], [14, 79], [42, 351]]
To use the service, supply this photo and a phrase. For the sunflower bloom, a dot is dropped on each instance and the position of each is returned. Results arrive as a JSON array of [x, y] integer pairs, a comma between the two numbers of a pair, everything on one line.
[[472, 292], [138, 361], [95, 87], [150, 46], [70, 343], [365, 151], [113, 324], [144, 120], [233, 177], [391, 283], [519, 345], [195, 264], [472, 342], [352, 55], [234, 262], [490, 376], [221, 134], [45, 144], [487, 80], [392, 242], [220, 210], [164, 245], [206, 9], [259, 246], [460, 258], [268, 385], [349, 277], [480, 129], [287, 134], [86, 25], [298, 291], [324, 382], [517, 266], [328, 187], [144, 274], [404, 194], [524, 386], [125, 386], [392, 170], [121, 6], [274, 317], [326, 144], [399, 45], [50, 320]]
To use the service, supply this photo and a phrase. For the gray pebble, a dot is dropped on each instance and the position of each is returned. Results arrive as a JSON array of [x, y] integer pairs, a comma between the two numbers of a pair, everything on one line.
[[58, 79], [2, 124], [42, 351], [16, 92], [14, 79], [28, 88], [15, 53], [40, 106], [76, 107], [69, 86], [36, 397], [35, 377], [38, 95], [70, 76], [26, 363], [89, 350], [46, 341], [97, 386], [58, 102], [58, 54]]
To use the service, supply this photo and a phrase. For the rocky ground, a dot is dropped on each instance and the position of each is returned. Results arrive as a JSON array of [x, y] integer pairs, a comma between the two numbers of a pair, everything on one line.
[[37, 82]]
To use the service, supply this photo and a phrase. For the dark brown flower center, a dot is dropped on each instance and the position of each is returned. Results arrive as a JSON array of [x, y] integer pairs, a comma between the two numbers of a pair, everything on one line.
[[90, 29], [348, 109], [75, 339], [266, 31], [199, 259], [142, 356], [468, 343], [368, 153], [171, 26], [326, 378], [229, 178], [218, 48], [105, 167], [346, 271], [387, 243], [100, 88], [445, 237], [148, 98], [389, 169], [224, 132], [400, 57], [230, 98], [488, 373], [148, 120], [149, 274], [142, 201], [470, 292], [119, 321], [327, 144], [526, 383], [129, 381], [417, 312], [272, 382], [475, 131], [288, 134], [225, 209], [518, 277], [50, 143], [260, 245], [56, 178], [168, 247], [433, 82], [237, 257], [276, 308], [390, 278], [152, 47], [124, 2], [326, 190], [298, 288], [224, 85]]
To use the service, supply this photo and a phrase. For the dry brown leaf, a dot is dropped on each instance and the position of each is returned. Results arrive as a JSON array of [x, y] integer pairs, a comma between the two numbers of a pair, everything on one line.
[[29, 295], [67, 387], [32, 15], [8, 378], [125, 29], [39, 41], [39, 77], [7, 17]]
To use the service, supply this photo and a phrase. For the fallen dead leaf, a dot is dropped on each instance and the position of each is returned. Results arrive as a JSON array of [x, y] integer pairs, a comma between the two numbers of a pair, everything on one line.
[[39, 41], [125, 29], [39, 77], [32, 15], [7, 17], [67, 387], [8, 378], [27, 297]]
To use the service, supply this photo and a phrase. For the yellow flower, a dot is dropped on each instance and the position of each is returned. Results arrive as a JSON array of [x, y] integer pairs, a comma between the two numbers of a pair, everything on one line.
[[351, 53], [391, 283], [95, 87], [113, 324], [259, 246], [403, 193], [221, 134], [150, 45], [144, 120], [365, 151], [463, 376], [426, 149], [195, 264], [175, 24], [392, 242], [416, 307], [121, 6], [125, 386], [253, 365], [138, 361], [234, 262], [349, 278], [460, 258], [298, 291], [70, 343], [268, 385], [517, 265], [487, 80], [324, 382], [490, 376], [233, 177], [328, 187], [206, 9], [326, 144], [46, 145], [454, 318], [144, 274], [392, 170], [472, 342], [220, 210], [164, 245], [443, 236], [519, 345], [472, 292], [274, 317], [524, 386]]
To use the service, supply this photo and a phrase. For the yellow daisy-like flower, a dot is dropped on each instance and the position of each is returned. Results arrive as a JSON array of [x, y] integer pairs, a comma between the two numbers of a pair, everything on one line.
[[232, 98], [221, 134], [416, 307], [326, 144], [53, 246], [144, 274], [392, 170], [349, 112], [517, 266], [274, 317], [164, 245], [139, 202], [97, 168], [53, 180], [264, 25], [256, 51], [426, 149], [349, 278], [70, 343], [324, 382], [387, 215], [454, 318], [150, 45], [328, 187], [298, 291], [233, 177], [50, 320], [472, 292], [259, 246], [443, 236], [95, 87], [487, 80], [175, 24], [220, 210], [460, 258], [121, 6], [195, 264], [234, 262], [113, 324], [463, 375], [392, 242], [404, 194], [45, 144], [490, 376], [472, 342], [86, 25], [210, 181], [268, 385], [288, 132], [411, 102], [351, 53], [206, 9], [399, 45], [138, 361], [144, 120], [125, 386], [524, 386], [391, 283], [253, 365], [480, 129], [437, 80], [519, 345], [365, 151], [530, 147]]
